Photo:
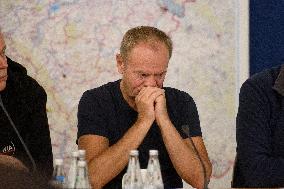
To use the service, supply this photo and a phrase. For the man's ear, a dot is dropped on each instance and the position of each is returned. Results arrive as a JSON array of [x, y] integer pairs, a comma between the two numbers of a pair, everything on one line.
[[120, 64]]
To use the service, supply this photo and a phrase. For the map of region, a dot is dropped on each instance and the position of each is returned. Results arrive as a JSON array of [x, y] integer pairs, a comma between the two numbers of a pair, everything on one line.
[[69, 46]]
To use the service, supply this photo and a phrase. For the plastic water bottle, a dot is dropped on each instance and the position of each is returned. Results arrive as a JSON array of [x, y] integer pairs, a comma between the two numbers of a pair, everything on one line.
[[71, 177], [133, 179], [82, 178], [82, 157], [153, 176], [58, 176]]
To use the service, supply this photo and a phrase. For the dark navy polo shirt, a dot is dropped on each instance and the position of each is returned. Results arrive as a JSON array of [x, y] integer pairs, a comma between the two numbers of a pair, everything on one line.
[[103, 111]]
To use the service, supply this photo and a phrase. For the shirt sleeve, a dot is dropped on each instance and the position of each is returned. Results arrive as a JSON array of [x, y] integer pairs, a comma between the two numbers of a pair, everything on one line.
[[91, 116], [189, 124], [254, 142]]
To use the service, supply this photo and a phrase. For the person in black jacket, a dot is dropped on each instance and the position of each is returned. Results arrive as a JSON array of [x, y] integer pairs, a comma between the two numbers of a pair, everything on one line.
[[260, 131], [24, 101]]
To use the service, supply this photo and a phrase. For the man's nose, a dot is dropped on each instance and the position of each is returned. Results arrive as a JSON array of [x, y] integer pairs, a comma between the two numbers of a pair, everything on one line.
[[150, 82]]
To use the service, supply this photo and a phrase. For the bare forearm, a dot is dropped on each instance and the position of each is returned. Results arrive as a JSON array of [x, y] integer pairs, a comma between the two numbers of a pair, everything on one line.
[[112, 161], [183, 156]]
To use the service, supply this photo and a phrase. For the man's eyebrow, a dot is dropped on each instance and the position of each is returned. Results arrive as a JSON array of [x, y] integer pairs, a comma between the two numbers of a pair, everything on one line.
[[161, 73], [139, 71]]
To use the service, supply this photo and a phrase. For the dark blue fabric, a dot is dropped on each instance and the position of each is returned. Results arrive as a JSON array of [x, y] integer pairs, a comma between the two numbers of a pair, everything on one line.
[[103, 111], [260, 132], [266, 39]]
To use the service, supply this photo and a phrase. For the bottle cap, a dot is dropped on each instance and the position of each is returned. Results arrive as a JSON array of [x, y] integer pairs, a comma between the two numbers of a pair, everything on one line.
[[75, 154], [153, 152], [82, 153], [134, 152], [58, 161]]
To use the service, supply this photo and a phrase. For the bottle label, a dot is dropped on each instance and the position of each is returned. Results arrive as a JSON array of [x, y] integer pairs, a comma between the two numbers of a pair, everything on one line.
[[60, 178]]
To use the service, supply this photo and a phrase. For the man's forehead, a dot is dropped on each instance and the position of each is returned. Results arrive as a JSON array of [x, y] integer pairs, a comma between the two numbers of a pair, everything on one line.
[[150, 71], [153, 44]]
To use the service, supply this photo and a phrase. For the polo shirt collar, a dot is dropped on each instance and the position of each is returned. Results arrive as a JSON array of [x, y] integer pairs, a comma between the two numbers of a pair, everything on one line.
[[279, 82]]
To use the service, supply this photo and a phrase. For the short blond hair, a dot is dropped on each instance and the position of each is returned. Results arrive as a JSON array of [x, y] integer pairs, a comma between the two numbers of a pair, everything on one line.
[[143, 34]]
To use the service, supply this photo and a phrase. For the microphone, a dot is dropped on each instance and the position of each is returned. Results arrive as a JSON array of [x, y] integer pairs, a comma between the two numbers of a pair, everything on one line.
[[185, 129], [18, 134]]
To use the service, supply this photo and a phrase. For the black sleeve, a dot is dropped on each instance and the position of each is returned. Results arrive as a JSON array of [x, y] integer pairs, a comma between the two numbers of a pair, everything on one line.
[[38, 138], [189, 119], [254, 142], [91, 116]]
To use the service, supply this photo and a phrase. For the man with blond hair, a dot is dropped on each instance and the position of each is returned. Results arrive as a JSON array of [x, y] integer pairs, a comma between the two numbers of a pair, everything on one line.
[[138, 112]]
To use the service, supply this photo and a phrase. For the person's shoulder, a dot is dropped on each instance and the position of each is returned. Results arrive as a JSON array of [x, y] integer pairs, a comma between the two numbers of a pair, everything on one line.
[[177, 95], [264, 79], [102, 92], [267, 76], [23, 83], [32, 88], [15, 68]]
